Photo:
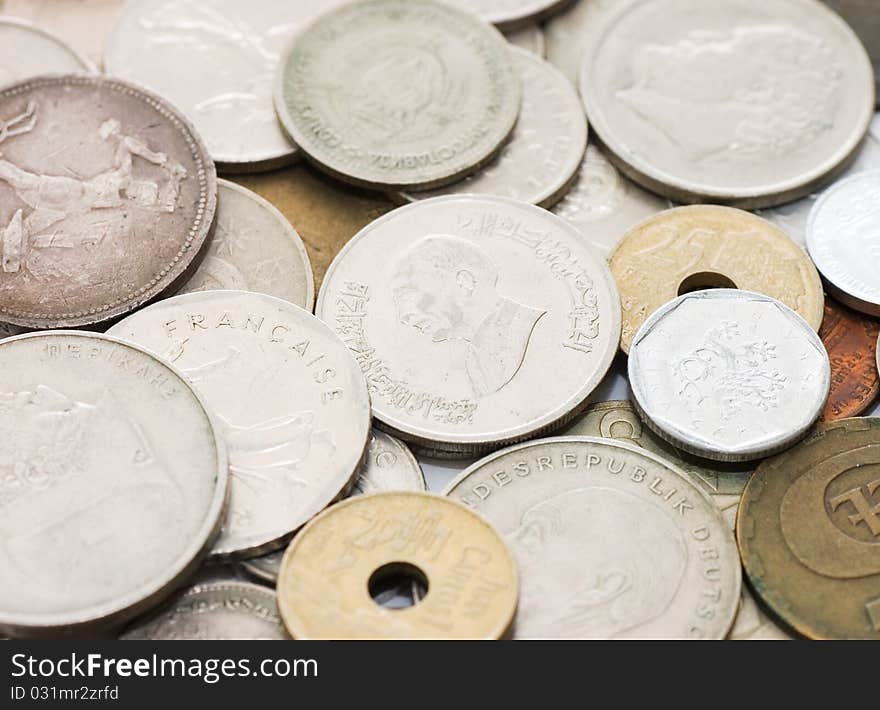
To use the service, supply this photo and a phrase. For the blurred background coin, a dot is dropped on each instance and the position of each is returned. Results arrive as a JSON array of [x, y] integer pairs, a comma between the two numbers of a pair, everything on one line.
[[569, 32], [529, 37], [510, 14], [26, 51]]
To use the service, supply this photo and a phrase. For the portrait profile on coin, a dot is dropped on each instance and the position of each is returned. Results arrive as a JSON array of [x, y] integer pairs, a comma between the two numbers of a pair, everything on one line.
[[446, 287]]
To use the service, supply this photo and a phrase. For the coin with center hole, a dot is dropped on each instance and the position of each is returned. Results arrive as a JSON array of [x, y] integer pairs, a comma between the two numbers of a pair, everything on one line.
[[347, 553], [27, 51]]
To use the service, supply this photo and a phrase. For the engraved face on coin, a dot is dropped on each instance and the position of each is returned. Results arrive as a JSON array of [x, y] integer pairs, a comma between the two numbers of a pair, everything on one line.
[[254, 248], [808, 531], [509, 13], [728, 375], [113, 482], [612, 542], [545, 150], [27, 51], [291, 403], [530, 38], [411, 94], [475, 301], [740, 102], [689, 248], [106, 197], [324, 589]]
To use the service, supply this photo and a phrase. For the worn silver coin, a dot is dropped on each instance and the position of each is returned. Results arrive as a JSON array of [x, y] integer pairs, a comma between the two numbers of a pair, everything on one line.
[[475, 301], [510, 14], [398, 94], [530, 38], [569, 33], [612, 542], [728, 375], [544, 152], [27, 51], [254, 248], [738, 102], [291, 402], [113, 481]]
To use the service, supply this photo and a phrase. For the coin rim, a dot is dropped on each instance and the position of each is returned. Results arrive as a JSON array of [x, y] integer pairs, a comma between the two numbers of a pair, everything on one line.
[[88, 66]]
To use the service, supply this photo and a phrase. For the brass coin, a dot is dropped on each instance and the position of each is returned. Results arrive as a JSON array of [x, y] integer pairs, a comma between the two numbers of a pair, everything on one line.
[[808, 530], [324, 588], [705, 246]]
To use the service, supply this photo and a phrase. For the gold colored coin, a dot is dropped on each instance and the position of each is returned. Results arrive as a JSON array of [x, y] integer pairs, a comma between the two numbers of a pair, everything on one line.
[[808, 530], [334, 570], [705, 246]]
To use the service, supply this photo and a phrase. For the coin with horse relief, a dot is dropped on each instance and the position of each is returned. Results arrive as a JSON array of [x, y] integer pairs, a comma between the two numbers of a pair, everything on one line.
[[27, 51]]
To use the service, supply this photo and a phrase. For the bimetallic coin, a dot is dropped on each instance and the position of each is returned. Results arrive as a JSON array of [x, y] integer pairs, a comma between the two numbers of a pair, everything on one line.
[[254, 248], [215, 611], [691, 248], [420, 94], [27, 51], [456, 327], [612, 542], [728, 375], [739, 102], [324, 589], [809, 533], [113, 482], [863, 17], [291, 402], [530, 38], [569, 33], [106, 197], [510, 14]]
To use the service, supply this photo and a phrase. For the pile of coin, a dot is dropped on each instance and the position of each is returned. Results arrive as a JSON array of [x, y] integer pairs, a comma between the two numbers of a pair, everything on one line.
[[437, 255]]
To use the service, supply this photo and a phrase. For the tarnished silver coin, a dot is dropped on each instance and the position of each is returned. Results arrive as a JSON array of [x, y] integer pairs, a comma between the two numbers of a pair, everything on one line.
[[113, 482], [106, 197], [291, 402], [843, 239], [215, 611], [254, 248], [569, 33], [612, 542], [509, 14], [388, 466], [738, 102], [729, 375], [27, 51], [530, 38], [398, 94], [472, 303], [544, 152]]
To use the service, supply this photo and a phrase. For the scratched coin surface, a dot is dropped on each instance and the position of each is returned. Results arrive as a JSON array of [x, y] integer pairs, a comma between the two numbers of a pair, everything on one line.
[[612, 542], [106, 197], [27, 51], [113, 482], [808, 531], [475, 300], [728, 375], [388, 466], [863, 17], [291, 402], [408, 94], [214, 611], [254, 248], [510, 13], [705, 246], [330, 568], [545, 150], [530, 38], [740, 102]]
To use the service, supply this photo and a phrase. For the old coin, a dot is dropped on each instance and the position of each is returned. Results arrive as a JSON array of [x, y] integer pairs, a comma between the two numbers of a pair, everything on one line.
[[569, 33], [544, 153], [398, 94], [254, 248], [475, 300], [809, 533], [113, 482], [689, 248], [106, 197], [510, 14], [740, 102], [611, 541], [863, 17], [728, 375], [388, 466], [530, 38], [214, 611], [291, 402], [851, 341], [334, 566], [27, 51]]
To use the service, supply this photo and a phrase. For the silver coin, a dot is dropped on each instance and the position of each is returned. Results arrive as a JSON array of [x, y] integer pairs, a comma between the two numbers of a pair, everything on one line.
[[569, 33], [474, 301], [27, 51], [254, 248], [530, 38], [388, 466], [398, 94], [510, 14], [544, 152], [113, 482], [291, 402], [739, 102], [612, 542], [215, 611], [863, 17], [729, 375]]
